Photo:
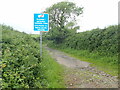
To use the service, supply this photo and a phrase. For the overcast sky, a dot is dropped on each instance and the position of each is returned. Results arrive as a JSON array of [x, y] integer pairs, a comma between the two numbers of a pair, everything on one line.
[[19, 13]]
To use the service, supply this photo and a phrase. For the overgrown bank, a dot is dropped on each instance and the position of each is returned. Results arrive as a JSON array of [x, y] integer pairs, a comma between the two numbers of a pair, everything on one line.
[[98, 46], [22, 66]]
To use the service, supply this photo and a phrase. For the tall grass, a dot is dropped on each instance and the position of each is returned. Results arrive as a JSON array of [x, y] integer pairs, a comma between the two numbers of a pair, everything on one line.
[[52, 72], [104, 63]]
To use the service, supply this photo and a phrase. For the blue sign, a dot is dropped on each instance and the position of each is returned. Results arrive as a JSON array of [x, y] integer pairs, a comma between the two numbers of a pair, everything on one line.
[[41, 22]]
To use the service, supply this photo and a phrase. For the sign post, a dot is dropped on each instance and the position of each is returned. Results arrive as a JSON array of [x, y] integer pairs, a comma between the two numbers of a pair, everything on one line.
[[40, 43], [41, 23]]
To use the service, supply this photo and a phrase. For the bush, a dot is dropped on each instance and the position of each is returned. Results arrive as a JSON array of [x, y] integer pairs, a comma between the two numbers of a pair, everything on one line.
[[20, 60]]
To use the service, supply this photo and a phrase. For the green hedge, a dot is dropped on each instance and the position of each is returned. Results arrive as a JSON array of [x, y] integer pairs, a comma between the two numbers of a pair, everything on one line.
[[101, 40], [20, 60]]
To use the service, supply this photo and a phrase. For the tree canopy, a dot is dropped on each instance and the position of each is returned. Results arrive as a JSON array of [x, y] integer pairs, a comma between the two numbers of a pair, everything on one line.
[[62, 16]]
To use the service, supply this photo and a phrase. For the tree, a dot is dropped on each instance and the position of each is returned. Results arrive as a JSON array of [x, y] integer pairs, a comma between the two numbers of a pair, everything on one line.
[[62, 15]]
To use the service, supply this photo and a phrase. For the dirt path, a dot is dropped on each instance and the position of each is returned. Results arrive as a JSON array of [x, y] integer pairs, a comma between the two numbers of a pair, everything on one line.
[[79, 74]]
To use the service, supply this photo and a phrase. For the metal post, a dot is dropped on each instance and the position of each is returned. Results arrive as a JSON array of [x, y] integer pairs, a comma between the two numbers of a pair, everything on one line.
[[40, 44]]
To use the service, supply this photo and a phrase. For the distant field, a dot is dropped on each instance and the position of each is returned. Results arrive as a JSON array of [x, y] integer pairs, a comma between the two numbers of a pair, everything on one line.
[[35, 35]]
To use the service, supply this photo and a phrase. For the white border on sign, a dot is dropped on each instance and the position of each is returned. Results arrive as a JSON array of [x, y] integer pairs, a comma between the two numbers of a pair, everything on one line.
[[48, 21]]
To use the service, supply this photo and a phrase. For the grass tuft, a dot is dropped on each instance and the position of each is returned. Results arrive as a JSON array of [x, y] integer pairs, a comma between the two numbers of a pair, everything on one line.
[[52, 72]]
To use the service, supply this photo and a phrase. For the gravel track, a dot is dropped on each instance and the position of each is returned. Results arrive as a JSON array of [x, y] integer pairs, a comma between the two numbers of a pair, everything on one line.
[[79, 74]]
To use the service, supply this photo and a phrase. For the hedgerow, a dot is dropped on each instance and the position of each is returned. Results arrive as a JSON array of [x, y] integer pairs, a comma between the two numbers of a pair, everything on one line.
[[20, 60], [21, 65], [103, 42]]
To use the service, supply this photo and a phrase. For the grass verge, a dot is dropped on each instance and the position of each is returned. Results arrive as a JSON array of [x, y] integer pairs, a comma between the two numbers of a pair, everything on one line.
[[103, 63], [52, 72]]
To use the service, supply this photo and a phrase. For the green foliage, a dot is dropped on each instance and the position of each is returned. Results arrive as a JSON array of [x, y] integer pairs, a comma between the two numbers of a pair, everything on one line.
[[21, 65], [52, 72], [104, 41], [20, 60], [35, 35], [104, 63], [98, 46], [60, 15]]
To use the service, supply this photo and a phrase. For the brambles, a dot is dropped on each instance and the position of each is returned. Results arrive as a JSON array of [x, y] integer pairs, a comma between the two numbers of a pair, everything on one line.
[[95, 39], [20, 60], [21, 64], [101, 41]]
